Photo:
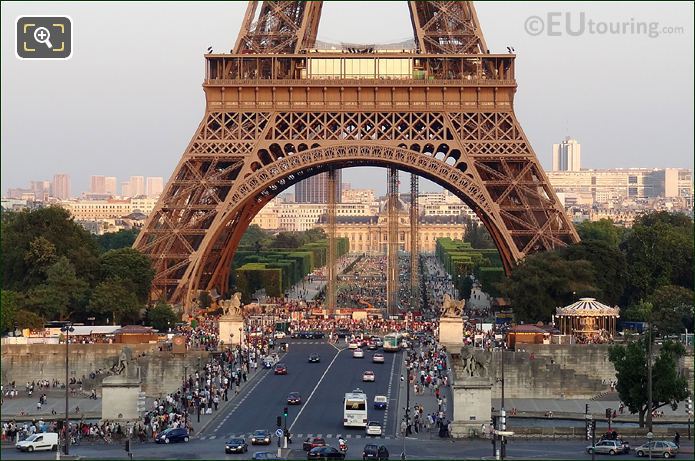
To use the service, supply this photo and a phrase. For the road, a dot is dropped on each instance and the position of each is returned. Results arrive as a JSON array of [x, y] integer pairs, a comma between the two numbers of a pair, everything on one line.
[[322, 387]]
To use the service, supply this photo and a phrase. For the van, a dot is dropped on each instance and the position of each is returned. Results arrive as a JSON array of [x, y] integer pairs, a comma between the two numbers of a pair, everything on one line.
[[38, 442]]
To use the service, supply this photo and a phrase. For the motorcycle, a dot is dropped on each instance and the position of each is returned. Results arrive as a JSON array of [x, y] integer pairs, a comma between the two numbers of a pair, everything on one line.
[[342, 446]]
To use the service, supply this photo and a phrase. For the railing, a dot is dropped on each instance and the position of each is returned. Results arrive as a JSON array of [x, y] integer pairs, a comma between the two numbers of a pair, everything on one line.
[[360, 82]]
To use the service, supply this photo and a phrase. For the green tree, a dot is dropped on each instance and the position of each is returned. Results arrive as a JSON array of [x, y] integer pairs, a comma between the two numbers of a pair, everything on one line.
[[54, 225], [658, 251], [39, 257], [62, 295], [315, 234], [673, 309], [608, 264], [545, 281], [604, 230], [161, 316], [289, 240], [130, 266], [478, 236], [12, 313], [638, 312], [630, 361], [254, 234], [113, 299], [124, 238]]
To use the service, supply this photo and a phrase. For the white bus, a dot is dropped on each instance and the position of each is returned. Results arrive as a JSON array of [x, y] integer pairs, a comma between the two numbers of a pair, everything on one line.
[[355, 409], [393, 342]]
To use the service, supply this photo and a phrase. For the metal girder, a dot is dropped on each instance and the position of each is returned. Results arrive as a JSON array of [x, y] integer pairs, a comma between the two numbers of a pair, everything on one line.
[[392, 279], [414, 250], [331, 289]]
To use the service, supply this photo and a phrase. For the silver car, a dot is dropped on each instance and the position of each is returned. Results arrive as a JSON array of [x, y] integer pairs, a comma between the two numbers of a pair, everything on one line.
[[609, 447], [658, 448]]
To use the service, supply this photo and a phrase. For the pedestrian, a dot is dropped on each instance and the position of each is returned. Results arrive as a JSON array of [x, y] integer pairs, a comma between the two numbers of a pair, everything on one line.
[[677, 439]]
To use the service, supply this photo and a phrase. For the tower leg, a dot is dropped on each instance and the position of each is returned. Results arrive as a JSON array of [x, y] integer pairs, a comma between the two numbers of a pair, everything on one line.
[[392, 264], [414, 250], [331, 256]]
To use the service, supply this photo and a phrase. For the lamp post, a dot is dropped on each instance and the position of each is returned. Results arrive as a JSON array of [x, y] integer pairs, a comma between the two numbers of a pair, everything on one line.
[[650, 436], [649, 377], [407, 406], [66, 329]]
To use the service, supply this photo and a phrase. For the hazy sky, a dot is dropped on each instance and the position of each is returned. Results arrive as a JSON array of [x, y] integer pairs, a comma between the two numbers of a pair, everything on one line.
[[130, 98]]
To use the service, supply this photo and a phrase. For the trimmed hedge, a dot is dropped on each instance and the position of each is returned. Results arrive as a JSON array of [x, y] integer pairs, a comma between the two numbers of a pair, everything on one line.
[[461, 260]]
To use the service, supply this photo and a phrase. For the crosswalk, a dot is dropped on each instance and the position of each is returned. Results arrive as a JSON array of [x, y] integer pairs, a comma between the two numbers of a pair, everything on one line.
[[301, 437]]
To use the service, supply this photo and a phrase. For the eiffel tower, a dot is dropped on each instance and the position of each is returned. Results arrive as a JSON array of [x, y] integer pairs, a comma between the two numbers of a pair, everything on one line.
[[280, 109]]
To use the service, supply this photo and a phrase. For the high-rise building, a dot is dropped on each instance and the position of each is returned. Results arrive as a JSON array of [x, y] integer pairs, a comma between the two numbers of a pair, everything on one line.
[[137, 186], [41, 190], [61, 186], [110, 185], [125, 189], [155, 186], [315, 188], [567, 155], [97, 185]]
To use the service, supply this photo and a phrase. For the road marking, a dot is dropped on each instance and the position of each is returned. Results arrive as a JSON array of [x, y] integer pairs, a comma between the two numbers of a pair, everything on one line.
[[313, 391]]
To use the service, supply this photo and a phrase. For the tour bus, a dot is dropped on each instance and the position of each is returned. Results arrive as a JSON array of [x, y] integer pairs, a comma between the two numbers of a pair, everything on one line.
[[393, 342], [355, 409]]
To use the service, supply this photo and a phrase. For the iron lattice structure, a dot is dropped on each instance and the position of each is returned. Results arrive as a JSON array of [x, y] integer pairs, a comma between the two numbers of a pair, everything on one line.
[[278, 112], [414, 243], [392, 246]]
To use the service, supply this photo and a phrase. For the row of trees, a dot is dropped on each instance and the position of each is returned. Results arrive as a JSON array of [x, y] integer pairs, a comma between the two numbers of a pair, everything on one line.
[[53, 269], [647, 270]]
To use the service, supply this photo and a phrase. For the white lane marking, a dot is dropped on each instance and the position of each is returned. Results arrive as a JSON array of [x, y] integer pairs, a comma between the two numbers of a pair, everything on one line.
[[313, 391]]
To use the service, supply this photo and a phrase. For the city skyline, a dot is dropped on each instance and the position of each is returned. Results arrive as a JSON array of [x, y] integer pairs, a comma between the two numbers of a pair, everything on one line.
[[138, 129]]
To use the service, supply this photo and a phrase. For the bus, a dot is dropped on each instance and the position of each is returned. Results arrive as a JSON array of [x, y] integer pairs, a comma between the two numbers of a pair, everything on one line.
[[355, 409], [393, 342]]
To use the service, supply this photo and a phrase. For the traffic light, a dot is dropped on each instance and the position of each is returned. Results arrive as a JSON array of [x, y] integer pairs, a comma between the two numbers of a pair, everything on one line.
[[285, 412], [609, 412], [586, 409], [689, 406], [279, 421]]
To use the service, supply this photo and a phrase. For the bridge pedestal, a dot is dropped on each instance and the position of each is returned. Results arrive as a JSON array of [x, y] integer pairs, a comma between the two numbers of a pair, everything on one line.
[[451, 333], [472, 407], [230, 330]]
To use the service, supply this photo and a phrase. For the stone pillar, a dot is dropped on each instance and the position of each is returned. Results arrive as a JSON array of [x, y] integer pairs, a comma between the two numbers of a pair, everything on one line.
[[119, 399], [472, 407], [451, 332], [229, 331]]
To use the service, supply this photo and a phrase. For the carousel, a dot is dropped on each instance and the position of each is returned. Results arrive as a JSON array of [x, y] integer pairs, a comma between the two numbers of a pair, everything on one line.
[[587, 318]]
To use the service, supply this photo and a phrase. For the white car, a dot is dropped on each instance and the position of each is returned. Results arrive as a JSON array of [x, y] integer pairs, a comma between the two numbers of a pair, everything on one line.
[[39, 442], [373, 428], [280, 335], [368, 376], [378, 358], [353, 345], [358, 354]]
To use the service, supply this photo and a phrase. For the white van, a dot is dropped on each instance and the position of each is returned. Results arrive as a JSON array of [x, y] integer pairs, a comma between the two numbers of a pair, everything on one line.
[[38, 442]]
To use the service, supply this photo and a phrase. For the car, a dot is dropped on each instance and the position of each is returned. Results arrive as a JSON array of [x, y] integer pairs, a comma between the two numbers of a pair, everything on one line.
[[294, 398], [378, 358], [371, 345], [377, 452], [358, 354], [236, 446], [380, 402], [342, 333], [261, 437], [280, 335], [610, 447], [280, 369], [179, 434], [317, 335], [38, 442], [373, 428], [353, 345], [325, 453], [314, 358], [368, 376], [658, 448], [265, 455], [313, 442]]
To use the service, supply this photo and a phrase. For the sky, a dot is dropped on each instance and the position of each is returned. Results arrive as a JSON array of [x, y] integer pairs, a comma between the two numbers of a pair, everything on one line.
[[130, 98]]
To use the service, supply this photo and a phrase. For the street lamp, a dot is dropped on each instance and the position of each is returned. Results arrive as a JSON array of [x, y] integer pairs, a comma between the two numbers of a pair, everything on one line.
[[650, 436], [649, 377], [67, 329]]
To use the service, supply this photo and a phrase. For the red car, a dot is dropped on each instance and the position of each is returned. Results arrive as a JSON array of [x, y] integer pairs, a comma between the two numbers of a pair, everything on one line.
[[280, 369], [313, 442]]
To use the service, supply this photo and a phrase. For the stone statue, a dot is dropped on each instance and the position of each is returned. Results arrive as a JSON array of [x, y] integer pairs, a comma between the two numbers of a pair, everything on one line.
[[452, 307], [476, 363], [231, 308], [125, 369]]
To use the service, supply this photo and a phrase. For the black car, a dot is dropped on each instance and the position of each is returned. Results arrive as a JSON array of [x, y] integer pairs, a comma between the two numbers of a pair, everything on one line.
[[343, 333], [378, 452], [318, 334], [325, 453], [236, 446], [173, 435], [314, 358], [294, 398], [261, 437]]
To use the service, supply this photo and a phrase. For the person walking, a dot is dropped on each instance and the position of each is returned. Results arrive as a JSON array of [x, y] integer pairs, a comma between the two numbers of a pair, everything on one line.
[[677, 439]]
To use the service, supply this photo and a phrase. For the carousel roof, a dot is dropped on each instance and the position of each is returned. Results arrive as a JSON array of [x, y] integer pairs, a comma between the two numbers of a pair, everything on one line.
[[588, 307]]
